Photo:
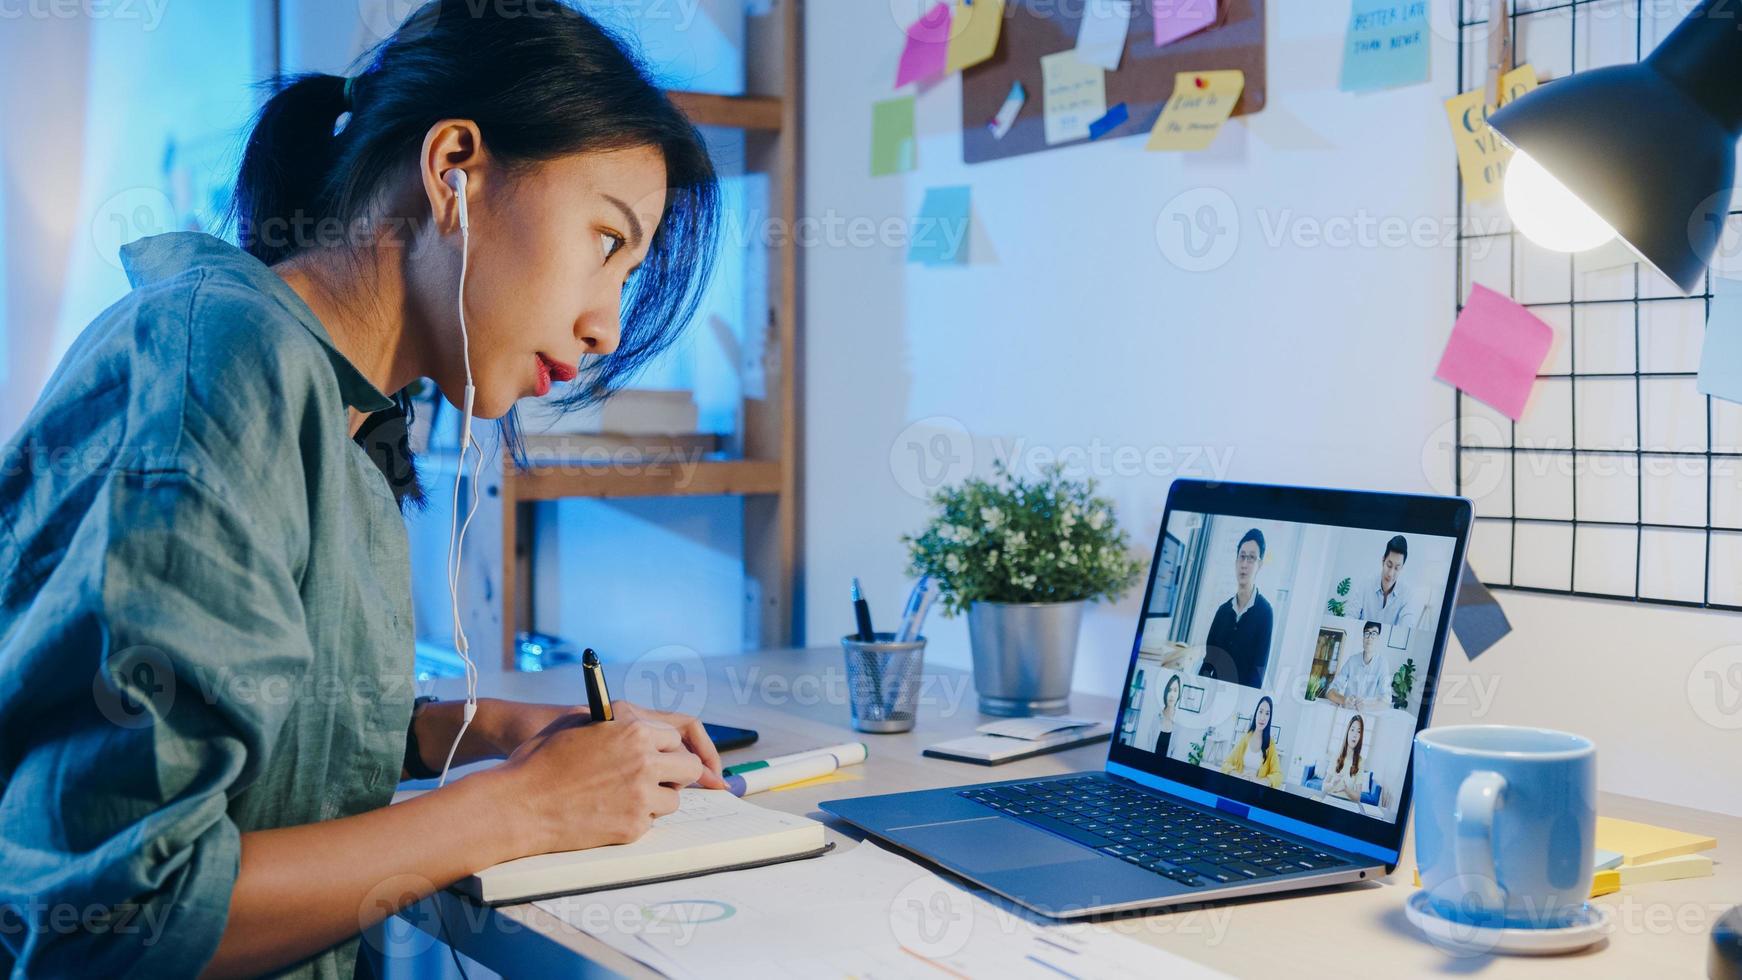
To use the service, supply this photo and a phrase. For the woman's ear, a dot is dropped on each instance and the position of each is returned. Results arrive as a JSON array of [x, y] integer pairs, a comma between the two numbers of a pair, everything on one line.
[[449, 145]]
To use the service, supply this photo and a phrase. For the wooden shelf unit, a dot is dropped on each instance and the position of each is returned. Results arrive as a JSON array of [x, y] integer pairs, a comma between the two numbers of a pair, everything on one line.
[[498, 564]]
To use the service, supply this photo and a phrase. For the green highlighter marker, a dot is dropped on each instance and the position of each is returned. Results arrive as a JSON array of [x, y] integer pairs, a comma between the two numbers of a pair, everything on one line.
[[849, 754]]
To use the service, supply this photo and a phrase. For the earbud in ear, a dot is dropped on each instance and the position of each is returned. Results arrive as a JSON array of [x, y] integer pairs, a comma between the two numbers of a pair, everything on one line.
[[456, 179]]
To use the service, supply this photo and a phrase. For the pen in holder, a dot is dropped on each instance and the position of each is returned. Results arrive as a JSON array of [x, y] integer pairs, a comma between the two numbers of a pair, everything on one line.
[[883, 679]]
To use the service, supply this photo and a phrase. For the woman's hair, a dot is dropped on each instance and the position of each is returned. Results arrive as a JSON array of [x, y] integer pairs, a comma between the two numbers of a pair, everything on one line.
[[1172, 682], [1355, 763], [542, 81], [1264, 736]]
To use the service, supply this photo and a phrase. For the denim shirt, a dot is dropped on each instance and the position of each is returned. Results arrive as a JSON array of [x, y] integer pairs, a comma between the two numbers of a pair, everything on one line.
[[205, 616]]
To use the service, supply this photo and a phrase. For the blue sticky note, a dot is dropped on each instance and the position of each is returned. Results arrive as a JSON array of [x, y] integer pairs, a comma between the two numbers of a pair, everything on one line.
[[1721, 357], [1387, 45], [1109, 122], [940, 233]]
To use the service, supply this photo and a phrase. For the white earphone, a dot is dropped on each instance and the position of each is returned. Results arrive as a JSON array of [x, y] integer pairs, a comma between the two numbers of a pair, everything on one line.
[[456, 179]]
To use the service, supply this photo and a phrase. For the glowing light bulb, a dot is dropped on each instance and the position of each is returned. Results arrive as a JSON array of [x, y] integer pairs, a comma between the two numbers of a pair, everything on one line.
[[1548, 213]]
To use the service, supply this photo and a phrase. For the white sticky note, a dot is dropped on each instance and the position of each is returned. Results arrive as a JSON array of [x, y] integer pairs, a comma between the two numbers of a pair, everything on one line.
[[1721, 357], [1101, 37], [1006, 117], [1076, 95]]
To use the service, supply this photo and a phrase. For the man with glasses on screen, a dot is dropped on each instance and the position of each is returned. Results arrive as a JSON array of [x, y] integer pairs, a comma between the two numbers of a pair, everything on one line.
[[1238, 647]]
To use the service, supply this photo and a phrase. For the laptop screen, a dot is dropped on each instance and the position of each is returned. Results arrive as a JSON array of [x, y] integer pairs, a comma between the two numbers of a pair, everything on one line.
[[1287, 648]]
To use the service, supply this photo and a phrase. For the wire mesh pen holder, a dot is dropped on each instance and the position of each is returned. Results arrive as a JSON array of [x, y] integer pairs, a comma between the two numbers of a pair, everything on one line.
[[883, 678]]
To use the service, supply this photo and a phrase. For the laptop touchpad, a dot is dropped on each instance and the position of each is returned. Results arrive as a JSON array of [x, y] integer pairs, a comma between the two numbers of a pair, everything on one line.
[[998, 844]]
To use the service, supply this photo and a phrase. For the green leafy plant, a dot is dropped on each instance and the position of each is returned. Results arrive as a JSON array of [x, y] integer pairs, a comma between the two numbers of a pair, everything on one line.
[[1402, 683], [1195, 755], [1008, 539], [1340, 605]]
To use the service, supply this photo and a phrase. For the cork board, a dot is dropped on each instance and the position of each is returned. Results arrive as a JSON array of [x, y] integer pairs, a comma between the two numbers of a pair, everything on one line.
[[1144, 81]]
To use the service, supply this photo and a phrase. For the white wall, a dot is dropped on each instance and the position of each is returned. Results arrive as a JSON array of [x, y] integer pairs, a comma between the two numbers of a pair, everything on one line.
[[1295, 361]]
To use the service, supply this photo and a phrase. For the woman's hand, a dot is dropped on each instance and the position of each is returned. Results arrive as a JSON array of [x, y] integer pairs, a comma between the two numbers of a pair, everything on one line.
[[507, 725]]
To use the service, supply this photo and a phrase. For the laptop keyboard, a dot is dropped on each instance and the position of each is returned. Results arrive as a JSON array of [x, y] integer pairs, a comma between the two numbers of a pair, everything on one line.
[[1191, 846]]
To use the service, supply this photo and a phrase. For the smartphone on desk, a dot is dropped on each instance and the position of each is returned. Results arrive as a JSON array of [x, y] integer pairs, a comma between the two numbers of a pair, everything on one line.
[[726, 737]]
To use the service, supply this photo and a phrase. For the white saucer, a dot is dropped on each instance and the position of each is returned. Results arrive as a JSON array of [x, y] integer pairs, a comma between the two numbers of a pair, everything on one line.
[[1591, 924]]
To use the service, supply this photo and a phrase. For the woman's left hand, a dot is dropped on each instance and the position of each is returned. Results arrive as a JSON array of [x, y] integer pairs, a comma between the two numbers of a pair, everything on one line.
[[506, 725]]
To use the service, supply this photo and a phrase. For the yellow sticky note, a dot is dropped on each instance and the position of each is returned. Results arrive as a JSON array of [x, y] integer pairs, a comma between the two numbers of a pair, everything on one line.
[[1202, 101], [1482, 154], [974, 30]]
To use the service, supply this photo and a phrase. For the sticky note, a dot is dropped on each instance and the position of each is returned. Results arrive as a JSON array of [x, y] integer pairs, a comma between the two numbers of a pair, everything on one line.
[[1175, 19], [1477, 619], [940, 234], [1006, 117], [928, 47], [892, 147], [1497, 347], [1114, 118], [1721, 357], [1482, 155], [1387, 45], [1201, 102], [1101, 36], [974, 30], [1075, 95]]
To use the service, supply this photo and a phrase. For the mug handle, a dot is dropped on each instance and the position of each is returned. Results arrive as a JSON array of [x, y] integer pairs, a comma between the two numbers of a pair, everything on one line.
[[1480, 795]]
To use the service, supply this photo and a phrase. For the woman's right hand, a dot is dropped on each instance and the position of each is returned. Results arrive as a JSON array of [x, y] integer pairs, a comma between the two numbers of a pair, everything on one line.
[[578, 785]]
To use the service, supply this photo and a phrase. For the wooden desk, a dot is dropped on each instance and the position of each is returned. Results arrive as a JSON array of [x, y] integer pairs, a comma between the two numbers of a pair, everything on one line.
[[797, 700]]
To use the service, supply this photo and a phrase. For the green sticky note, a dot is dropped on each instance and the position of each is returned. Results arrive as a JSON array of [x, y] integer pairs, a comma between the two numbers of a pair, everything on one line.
[[892, 136], [940, 236]]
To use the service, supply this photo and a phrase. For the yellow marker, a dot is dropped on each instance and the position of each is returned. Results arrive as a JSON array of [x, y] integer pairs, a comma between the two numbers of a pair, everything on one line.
[[1482, 154], [1202, 101], [974, 30]]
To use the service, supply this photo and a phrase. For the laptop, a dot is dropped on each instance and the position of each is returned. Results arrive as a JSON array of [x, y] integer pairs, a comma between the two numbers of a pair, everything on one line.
[[1286, 654]]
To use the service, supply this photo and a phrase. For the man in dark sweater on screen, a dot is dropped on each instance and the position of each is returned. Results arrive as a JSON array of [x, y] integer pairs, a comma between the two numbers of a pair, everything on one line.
[[1238, 647]]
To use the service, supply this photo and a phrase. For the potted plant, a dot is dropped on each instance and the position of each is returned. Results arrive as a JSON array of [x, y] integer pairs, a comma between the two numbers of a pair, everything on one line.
[[1402, 683], [1022, 558]]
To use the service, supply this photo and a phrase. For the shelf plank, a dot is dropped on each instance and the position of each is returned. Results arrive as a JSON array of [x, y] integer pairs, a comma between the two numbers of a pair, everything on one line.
[[763, 112], [726, 477]]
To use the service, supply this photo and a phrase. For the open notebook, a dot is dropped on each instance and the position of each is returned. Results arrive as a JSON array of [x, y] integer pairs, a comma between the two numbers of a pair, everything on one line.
[[712, 830]]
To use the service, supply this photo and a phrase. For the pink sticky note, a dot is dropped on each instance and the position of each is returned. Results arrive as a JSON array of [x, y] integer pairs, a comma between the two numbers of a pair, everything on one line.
[[928, 47], [1497, 347], [1175, 19]]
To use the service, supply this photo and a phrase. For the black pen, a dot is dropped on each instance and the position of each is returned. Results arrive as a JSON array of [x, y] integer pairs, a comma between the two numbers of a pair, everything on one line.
[[862, 612], [598, 699]]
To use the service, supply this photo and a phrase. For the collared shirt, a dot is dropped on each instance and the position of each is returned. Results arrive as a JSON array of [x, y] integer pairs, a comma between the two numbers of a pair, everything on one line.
[[1356, 678], [1395, 609], [205, 615], [1237, 648]]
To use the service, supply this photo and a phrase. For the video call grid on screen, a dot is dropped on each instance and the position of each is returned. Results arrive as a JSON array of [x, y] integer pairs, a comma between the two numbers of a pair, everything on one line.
[[1328, 630]]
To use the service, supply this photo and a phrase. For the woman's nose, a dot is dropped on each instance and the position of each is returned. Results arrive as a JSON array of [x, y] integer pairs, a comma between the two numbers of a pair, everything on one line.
[[600, 330]]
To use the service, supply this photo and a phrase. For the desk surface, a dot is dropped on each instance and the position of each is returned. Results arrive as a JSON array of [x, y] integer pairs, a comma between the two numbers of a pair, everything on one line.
[[796, 699]]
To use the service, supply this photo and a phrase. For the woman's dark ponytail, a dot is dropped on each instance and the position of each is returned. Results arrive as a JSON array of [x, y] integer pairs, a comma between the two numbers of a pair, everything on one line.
[[286, 165]]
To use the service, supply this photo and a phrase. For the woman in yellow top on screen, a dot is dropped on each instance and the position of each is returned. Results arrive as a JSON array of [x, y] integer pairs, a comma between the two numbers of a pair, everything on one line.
[[1256, 758]]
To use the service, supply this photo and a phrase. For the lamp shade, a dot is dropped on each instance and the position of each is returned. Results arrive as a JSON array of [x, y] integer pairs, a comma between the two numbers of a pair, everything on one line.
[[1649, 147]]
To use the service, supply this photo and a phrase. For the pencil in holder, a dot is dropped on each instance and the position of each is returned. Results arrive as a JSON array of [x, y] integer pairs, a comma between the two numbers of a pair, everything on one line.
[[883, 678]]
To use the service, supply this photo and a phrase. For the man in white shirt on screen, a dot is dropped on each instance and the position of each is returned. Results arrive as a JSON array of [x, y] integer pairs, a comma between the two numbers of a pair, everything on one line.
[[1363, 683], [1388, 601]]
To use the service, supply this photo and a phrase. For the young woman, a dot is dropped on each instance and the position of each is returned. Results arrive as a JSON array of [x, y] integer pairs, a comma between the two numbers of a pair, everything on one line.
[[1346, 779], [205, 619], [1170, 693], [1254, 755]]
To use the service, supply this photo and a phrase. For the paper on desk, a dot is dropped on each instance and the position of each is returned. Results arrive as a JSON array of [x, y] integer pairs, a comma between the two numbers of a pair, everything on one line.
[[864, 913], [928, 47], [892, 136], [1201, 102], [1102, 33], [940, 235], [974, 30], [1721, 357], [1175, 19], [1387, 45], [1075, 96], [1033, 728], [1495, 351]]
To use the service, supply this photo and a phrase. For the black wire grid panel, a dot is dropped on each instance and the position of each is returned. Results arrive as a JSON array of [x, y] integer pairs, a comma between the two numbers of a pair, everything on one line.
[[1622, 479]]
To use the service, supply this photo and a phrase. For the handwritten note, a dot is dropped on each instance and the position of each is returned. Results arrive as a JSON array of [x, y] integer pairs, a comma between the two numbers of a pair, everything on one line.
[[1075, 96], [892, 136], [1101, 36], [1721, 357], [1387, 45], [1482, 155], [940, 235], [1175, 19], [1497, 348], [1006, 117], [1194, 114], [928, 47], [974, 30]]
